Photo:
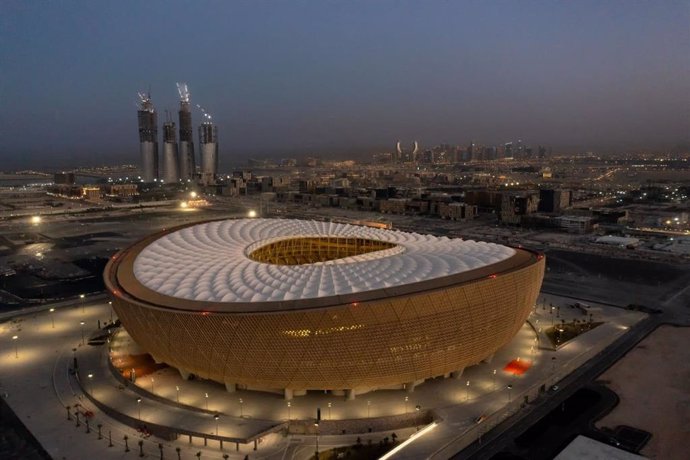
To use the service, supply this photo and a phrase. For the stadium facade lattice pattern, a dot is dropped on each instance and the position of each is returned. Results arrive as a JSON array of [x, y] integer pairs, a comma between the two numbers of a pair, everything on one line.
[[353, 332]]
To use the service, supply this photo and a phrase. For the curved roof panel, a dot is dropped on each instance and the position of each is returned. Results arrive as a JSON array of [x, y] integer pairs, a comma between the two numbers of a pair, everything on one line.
[[209, 262]]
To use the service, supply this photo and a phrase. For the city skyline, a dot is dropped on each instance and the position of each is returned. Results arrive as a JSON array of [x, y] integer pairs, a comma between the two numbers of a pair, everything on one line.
[[304, 78]]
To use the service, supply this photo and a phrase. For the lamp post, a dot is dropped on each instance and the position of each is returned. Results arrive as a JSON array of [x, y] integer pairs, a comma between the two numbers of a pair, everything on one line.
[[216, 417], [52, 317], [510, 388], [241, 408], [111, 311], [152, 387], [494, 379], [467, 392], [368, 408], [206, 396], [90, 376], [177, 389], [139, 407], [406, 399], [329, 411], [289, 405], [81, 296], [16, 350], [81, 323]]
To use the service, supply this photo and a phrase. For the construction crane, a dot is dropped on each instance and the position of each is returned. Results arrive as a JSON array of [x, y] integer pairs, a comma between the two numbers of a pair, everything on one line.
[[184, 92], [145, 101], [207, 116]]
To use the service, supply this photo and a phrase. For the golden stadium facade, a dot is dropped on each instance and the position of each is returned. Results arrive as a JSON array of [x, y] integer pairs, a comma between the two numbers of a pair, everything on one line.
[[292, 305]]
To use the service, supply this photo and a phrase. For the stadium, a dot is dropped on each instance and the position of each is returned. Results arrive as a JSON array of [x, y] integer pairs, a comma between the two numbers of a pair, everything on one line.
[[286, 305]]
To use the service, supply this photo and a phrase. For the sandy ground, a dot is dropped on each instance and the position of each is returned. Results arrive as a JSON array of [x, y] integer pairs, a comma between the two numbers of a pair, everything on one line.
[[652, 382]]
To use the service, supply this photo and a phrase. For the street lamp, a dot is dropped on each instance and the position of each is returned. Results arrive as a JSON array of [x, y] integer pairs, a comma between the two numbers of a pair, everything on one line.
[[139, 407], [206, 395], [152, 387], [177, 389], [216, 417], [494, 379], [289, 404], [510, 387], [111, 311], [90, 376], [81, 296], [467, 393], [16, 352], [52, 317], [329, 411], [406, 399], [82, 331], [241, 408]]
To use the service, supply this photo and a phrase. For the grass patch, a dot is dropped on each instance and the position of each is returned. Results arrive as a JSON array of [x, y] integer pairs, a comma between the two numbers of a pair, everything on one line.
[[562, 333]]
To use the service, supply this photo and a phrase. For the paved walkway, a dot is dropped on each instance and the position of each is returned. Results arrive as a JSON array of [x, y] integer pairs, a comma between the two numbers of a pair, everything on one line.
[[41, 387]]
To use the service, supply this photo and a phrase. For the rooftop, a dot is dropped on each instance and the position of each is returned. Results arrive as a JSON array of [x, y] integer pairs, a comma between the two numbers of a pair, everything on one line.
[[269, 260]]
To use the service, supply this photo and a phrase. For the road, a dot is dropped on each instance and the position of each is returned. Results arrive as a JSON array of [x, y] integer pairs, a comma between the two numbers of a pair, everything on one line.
[[500, 437]]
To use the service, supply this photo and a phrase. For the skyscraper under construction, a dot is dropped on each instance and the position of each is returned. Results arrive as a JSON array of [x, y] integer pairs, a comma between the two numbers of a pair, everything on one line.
[[208, 142], [148, 138], [187, 161], [171, 169]]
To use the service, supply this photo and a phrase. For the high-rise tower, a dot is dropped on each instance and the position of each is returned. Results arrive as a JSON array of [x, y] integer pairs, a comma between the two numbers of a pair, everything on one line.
[[171, 167], [208, 143], [148, 138], [187, 161]]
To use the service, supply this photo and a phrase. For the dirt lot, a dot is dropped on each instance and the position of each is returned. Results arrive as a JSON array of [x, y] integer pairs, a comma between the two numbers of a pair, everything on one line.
[[652, 383]]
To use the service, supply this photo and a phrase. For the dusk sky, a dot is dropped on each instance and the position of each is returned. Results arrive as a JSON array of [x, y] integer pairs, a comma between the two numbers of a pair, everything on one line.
[[284, 78]]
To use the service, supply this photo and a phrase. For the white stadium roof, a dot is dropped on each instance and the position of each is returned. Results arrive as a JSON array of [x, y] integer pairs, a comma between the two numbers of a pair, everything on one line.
[[208, 261]]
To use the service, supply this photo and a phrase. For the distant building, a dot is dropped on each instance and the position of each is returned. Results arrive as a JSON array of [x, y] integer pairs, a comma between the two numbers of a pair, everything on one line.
[[148, 138], [187, 157], [122, 190], [457, 211], [91, 193], [516, 205], [394, 205], [554, 201], [171, 161], [576, 224], [403, 155], [208, 145]]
